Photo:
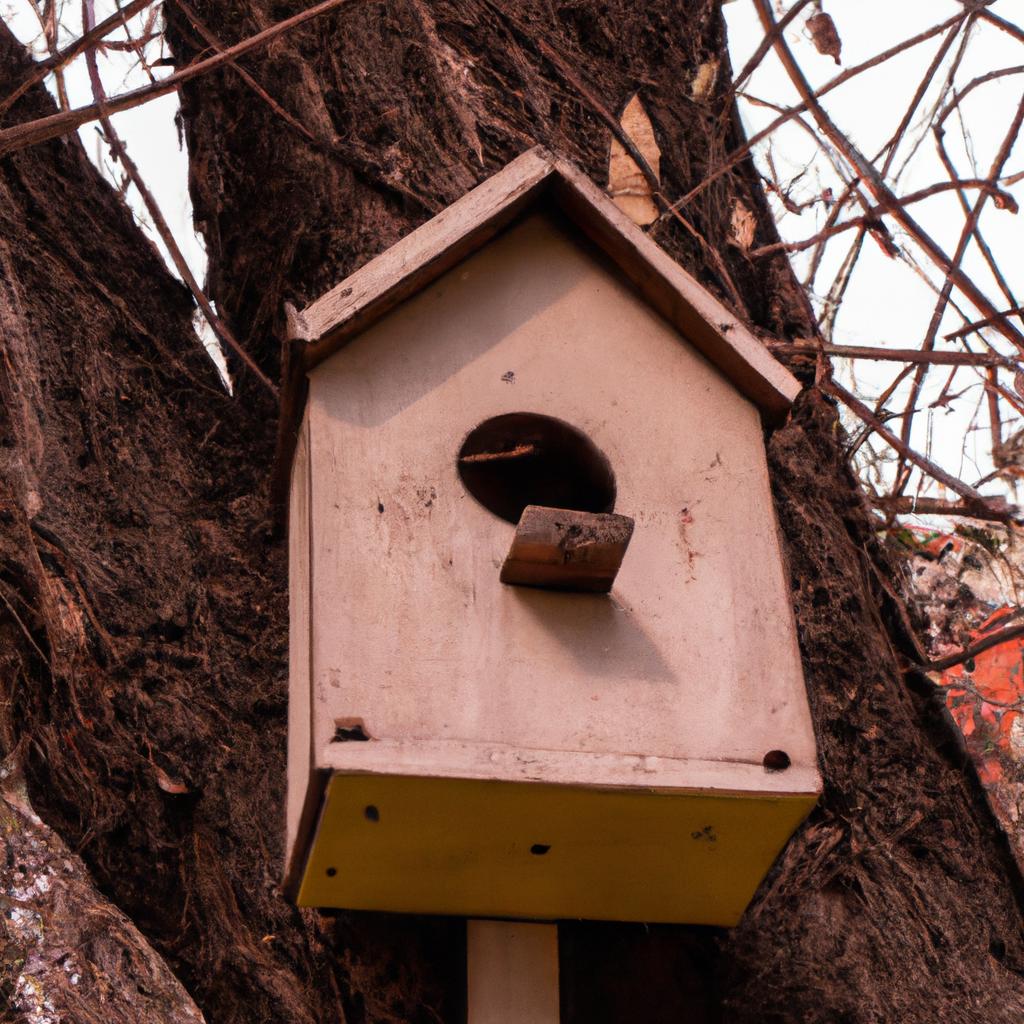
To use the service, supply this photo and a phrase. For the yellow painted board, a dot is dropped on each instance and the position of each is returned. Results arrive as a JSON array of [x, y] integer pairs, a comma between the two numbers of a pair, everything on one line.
[[500, 849]]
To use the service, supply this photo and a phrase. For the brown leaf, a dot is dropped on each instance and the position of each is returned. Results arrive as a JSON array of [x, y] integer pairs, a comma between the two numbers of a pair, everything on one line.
[[626, 183], [167, 784], [742, 226], [824, 35]]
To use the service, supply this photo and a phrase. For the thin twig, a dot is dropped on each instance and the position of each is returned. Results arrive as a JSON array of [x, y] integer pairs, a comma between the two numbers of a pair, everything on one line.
[[31, 133], [881, 191], [907, 505], [951, 274], [61, 58], [872, 219], [1007, 26], [1004, 636], [856, 406], [759, 55], [958, 97], [977, 325], [741, 152], [119, 151], [895, 355]]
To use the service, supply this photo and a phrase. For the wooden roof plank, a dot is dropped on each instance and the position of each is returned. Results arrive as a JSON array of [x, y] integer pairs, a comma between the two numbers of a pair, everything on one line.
[[423, 255], [469, 223], [707, 324]]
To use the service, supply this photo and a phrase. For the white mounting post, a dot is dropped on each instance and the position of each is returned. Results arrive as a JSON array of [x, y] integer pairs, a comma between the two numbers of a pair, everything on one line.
[[512, 972]]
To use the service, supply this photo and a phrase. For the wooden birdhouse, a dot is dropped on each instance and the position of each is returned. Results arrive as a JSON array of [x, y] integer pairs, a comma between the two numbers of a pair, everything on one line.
[[543, 659]]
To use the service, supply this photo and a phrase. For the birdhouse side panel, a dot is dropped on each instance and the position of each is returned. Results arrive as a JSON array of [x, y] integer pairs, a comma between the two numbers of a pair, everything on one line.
[[692, 655], [300, 759]]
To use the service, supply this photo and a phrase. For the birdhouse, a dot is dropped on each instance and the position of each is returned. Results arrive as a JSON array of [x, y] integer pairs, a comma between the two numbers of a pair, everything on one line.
[[543, 659]]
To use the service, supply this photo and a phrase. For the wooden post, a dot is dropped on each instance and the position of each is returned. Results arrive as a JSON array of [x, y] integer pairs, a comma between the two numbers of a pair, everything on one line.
[[512, 972]]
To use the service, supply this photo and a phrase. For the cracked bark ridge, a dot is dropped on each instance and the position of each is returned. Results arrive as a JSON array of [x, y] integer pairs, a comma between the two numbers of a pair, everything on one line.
[[68, 954]]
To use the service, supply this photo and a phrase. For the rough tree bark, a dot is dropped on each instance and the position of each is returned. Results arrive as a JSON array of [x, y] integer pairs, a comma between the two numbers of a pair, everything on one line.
[[143, 585]]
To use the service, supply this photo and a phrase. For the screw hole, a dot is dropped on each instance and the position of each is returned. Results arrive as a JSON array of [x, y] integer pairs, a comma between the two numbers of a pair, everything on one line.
[[776, 761], [331, 872], [371, 813], [539, 849]]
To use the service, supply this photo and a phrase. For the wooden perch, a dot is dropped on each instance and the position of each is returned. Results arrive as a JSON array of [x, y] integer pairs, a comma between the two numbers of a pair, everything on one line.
[[562, 549]]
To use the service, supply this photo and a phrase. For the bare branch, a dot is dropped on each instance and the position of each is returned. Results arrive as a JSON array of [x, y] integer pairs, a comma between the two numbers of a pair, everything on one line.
[[877, 185], [63, 57], [117, 147], [1003, 636], [1007, 26], [973, 84], [856, 406], [896, 355], [906, 505], [872, 219], [741, 152], [987, 322], [31, 133]]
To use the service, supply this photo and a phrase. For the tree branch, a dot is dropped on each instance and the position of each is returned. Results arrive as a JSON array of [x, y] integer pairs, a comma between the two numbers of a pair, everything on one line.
[[31, 133], [895, 355], [63, 57], [1004, 636]]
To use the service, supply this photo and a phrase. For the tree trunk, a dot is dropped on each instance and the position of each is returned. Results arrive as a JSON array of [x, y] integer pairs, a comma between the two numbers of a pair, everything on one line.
[[144, 588]]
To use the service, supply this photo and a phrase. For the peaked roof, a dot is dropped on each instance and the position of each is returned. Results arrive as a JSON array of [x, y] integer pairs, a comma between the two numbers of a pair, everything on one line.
[[532, 179]]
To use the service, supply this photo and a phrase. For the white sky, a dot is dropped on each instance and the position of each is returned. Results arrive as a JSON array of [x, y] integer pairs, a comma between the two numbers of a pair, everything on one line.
[[887, 303]]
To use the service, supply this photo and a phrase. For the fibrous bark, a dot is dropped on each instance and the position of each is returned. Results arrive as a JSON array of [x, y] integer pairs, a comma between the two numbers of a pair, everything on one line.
[[146, 663]]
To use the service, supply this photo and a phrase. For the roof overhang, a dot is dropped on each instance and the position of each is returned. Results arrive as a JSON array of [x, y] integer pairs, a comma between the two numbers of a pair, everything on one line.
[[537, 178]]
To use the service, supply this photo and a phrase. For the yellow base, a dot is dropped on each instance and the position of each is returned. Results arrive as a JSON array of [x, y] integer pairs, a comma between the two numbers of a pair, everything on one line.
[[505, 849]]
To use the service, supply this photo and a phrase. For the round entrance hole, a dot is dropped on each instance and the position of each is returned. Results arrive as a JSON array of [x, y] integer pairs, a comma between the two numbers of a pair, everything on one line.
[[524, 458]]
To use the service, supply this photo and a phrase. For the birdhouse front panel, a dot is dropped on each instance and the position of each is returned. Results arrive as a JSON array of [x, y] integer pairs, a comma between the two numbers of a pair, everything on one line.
[[465, 745]]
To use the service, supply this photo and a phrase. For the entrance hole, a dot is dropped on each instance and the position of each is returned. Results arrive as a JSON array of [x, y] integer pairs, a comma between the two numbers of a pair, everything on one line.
[[524, 458]]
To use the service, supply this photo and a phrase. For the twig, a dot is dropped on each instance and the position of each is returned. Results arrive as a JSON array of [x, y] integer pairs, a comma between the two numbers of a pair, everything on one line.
[[872, 219], [881, 191], [119, 151], [740, 153], [952, 272], [1006, 26], [31, 133], [936, 472], [518, 452], [995, 640], [907, 505], [970, 86], [759, 55], [62, 57], [977, 325], [895, 355]]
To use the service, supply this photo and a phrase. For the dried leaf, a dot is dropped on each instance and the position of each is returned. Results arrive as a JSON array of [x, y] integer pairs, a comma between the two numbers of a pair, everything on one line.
[[704, 80], [167, 784], [824, 35], [1004, 201], [742, 226], [626, 183]]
